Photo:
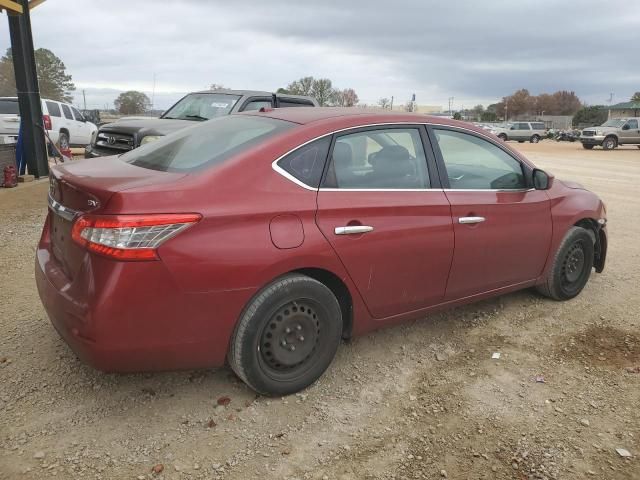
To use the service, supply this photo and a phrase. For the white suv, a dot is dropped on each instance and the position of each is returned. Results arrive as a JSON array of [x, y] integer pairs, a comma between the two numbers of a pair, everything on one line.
[[64, 123]]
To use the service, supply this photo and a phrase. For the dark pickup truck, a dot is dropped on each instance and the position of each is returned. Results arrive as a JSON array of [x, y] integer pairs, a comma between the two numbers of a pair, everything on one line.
[[126, 134]]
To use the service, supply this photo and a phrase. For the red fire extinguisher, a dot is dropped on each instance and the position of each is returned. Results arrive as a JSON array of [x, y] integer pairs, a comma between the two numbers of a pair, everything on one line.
[[10, 176]]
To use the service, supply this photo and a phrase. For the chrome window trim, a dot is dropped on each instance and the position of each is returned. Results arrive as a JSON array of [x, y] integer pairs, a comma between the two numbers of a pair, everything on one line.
[[300, 183], [61, 210]]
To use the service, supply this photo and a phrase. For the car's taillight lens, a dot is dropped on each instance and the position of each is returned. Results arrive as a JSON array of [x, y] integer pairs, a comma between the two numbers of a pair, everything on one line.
[[129, 237], [46, 119]]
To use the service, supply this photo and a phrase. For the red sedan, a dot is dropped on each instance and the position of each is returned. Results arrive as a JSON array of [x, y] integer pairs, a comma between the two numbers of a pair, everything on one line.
[[264, 238]]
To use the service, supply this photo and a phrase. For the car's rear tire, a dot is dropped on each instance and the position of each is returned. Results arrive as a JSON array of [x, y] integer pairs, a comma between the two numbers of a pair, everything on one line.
[[587, 147], [571, 266], [535, 139], [287, 336], [520, 141], [503, 137], [609, 143], [63, 141]]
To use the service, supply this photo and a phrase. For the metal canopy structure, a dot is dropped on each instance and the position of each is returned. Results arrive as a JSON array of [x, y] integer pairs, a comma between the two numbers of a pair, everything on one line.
[[24, 64]]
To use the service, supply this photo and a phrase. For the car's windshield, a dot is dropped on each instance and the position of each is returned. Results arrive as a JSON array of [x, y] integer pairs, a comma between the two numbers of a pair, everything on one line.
[[205, 145], [614, 122], [202, 106]]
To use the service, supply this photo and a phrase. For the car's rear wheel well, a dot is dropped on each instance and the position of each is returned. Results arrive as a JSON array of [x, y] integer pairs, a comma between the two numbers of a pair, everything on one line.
[[591, 226], [339, 289]]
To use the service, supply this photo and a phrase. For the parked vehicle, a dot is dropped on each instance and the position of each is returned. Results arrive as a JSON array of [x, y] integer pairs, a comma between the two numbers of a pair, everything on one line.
[[129, 133], [567, 135], [522, 131], [263, 238], [614, 132], [65, 125]]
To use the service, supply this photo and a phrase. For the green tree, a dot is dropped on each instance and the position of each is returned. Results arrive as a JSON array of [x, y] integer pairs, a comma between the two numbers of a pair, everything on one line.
[[132, 102], [590, 116], [322, 90], [53, 80], [488, 116], [457, 116], [636, 97]]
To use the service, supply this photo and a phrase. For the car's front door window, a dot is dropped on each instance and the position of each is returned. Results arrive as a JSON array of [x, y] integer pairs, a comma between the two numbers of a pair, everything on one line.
[[473, 163], [390, 158]]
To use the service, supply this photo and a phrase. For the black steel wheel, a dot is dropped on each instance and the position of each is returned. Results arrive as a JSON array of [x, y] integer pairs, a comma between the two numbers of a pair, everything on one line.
[[571, 267], [287, 336]]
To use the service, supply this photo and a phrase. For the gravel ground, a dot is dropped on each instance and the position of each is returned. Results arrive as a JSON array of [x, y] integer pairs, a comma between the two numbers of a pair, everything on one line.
[[420, 401]]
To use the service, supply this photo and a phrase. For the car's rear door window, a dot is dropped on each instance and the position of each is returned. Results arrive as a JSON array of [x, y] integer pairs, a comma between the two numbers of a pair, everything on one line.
[[205, 145], [633, 124], [473, 163], [382, 158], [306, 163], [54, 109]]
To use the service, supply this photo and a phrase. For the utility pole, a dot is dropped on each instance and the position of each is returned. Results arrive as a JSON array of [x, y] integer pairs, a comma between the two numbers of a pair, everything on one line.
[[84, 98], [24, 64], [450, 104], [391, 103], [153, 92]]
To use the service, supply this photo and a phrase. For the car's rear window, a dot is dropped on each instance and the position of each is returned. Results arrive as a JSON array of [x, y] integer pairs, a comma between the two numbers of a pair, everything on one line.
[[207, 144], [54, 109], [10, 107]]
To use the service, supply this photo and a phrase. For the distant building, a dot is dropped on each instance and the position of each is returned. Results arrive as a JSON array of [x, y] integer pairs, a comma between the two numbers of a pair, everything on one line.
[[625, 109]]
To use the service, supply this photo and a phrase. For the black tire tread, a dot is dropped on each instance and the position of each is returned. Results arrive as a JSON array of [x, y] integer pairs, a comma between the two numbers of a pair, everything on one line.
[[234, 356], [549, 288]]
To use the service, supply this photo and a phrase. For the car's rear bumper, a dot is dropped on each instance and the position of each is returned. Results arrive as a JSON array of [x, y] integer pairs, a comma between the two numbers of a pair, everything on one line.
[[130, 316]]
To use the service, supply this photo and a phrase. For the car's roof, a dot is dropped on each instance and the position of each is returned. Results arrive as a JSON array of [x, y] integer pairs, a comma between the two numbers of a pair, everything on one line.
[[353, 115], [250, 93]]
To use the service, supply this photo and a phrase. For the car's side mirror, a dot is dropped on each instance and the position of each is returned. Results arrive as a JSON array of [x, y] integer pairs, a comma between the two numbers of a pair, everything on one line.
[[541, 179], [626, 126]]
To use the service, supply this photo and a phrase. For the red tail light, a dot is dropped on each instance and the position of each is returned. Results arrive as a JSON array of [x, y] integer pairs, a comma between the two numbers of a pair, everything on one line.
[[46, 119], [129, 237]]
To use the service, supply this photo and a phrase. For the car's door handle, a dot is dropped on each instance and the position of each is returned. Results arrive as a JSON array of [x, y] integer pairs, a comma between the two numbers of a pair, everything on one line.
[[469, 220], [353, 229]]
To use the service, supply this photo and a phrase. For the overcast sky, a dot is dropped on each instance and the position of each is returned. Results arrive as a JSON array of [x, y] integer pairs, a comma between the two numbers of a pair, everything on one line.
[[474, 51]]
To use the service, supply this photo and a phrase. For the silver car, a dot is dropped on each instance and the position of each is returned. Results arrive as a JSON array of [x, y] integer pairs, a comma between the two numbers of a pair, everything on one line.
[[614, 132], [521, 131]]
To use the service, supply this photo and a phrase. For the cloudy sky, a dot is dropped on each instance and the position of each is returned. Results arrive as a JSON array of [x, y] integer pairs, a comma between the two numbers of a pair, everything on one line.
[[473, 51]]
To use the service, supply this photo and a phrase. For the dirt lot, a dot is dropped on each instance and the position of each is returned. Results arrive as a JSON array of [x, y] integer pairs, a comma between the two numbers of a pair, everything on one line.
[[423, 400]]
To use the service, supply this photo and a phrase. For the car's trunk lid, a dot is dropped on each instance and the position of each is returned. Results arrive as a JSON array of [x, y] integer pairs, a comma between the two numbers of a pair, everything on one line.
[[86, 187]]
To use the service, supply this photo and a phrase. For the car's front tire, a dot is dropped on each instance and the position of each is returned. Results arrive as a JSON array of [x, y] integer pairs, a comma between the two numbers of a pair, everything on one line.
[[503, 137], [535, 139], [287, 336], [571, 266], [587, 146], [609, 143]]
